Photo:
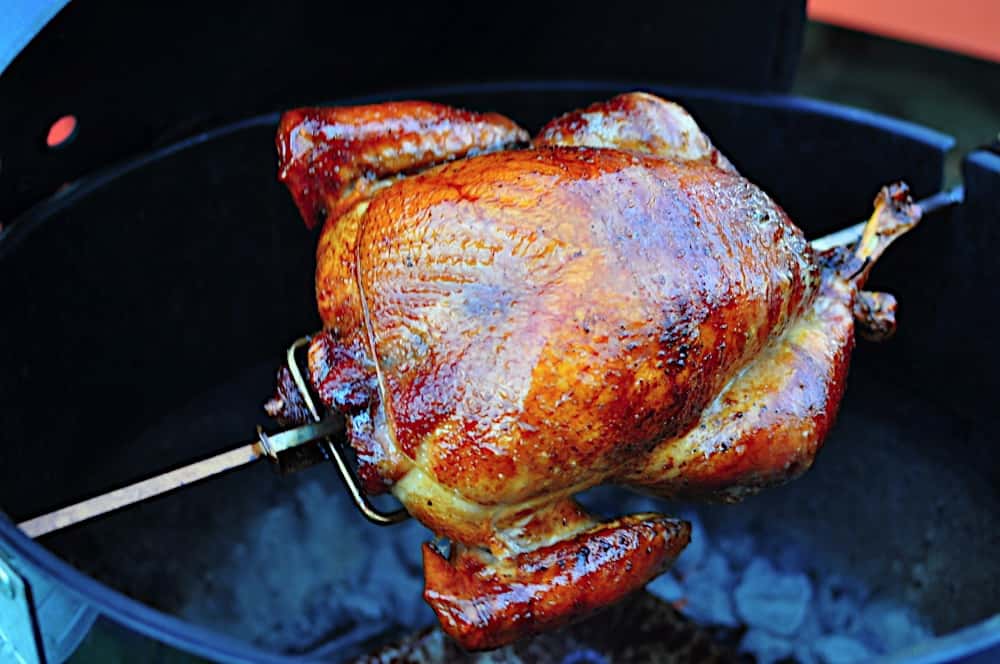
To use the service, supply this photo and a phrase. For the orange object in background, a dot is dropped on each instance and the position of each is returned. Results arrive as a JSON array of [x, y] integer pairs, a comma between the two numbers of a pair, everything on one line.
[[971, 27]]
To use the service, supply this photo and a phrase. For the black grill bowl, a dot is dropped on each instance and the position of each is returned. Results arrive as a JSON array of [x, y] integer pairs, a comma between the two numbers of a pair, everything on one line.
[[145, 307]]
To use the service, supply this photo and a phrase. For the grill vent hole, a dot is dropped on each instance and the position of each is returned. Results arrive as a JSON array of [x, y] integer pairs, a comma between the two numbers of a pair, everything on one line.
[[62, 132]]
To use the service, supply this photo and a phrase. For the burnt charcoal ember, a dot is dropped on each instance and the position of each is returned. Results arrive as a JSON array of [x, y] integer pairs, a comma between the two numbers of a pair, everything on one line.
[[297, 595], [639, 630], [707, 592], [840, 649], [329, 612], [768, 648], [805, 636], [771, 600], [792, 557], [738, 547], [362, 607], [691, 557], [407, 539], [610, 499], [397, 590], [666, 587], [585, 656], [839, 599], [890, 626]]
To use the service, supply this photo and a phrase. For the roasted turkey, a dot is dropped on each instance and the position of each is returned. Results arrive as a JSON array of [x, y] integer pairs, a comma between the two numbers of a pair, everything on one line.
[[508, 321]]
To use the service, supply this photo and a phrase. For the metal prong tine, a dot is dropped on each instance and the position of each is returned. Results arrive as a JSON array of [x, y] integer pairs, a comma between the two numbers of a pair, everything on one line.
[[300, 383], [346, 474], [357, 494]]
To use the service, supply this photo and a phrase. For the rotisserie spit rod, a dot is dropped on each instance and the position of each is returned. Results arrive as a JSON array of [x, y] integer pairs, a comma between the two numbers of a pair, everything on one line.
[[305, 445]]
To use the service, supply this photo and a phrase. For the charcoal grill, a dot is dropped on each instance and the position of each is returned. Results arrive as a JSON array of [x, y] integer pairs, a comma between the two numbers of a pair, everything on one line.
[[146, 305]]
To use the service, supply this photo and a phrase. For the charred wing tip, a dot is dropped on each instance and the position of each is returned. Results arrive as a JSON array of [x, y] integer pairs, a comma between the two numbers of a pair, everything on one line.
[[287, 406]]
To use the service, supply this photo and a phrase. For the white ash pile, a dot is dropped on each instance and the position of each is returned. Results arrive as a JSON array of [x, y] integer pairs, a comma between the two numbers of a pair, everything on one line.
[[793, 605], [328, 583], [324, 579]]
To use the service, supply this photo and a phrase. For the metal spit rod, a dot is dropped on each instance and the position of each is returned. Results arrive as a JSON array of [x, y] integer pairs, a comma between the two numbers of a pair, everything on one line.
[[265, 446], [287, 450], [273, 447], [851, 234], [134, 493]]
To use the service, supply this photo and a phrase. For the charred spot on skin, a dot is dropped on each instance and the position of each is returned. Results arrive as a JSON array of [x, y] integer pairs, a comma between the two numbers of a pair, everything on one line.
[[682, 354]]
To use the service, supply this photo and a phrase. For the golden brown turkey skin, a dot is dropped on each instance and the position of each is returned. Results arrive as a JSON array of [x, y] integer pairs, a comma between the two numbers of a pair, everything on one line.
[[486, 607], [636, 122], [765, 428], [540, 317], [615, 303]]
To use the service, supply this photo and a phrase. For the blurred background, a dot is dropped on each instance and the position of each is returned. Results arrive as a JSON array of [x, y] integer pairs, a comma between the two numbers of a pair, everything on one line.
[[952, 91]]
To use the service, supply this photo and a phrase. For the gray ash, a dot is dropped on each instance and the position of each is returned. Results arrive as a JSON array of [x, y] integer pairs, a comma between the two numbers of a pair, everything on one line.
[[792, 602], [311, 575]]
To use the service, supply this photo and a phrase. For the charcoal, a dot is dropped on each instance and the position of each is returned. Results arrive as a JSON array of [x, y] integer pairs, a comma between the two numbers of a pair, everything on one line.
[[408, 539], [791, 557], [610, 500], [766, 647], [808, 632], [890, 626], [839, 599], [584, 656], [738, 547], [638, 503], [398, 590], [666, 587], [362, 606], [707, 592], [772, 600], [295, 596], [638, 630], [692, 555], [323, 613], [413, 612], [840, 649], [710, 606]]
